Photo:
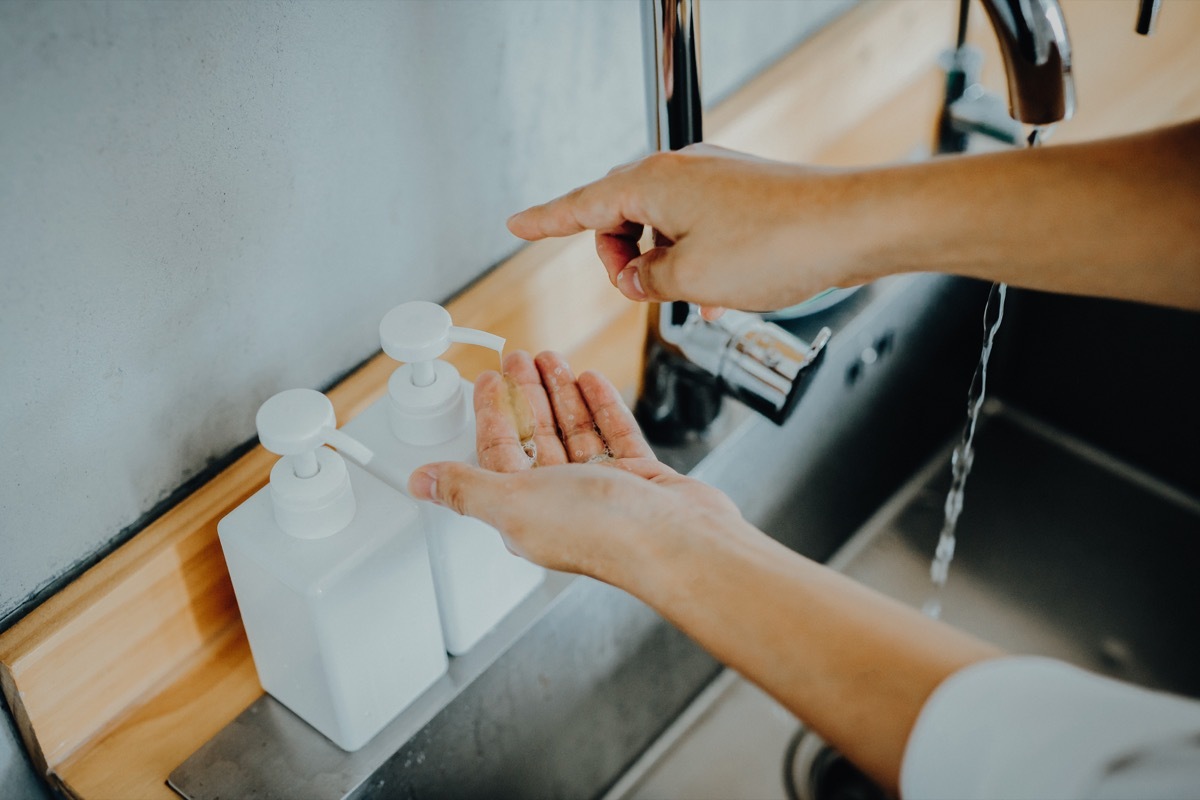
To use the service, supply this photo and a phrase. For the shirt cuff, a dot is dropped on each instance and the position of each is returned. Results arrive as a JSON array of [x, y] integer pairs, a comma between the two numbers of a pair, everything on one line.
[[1032, 727]]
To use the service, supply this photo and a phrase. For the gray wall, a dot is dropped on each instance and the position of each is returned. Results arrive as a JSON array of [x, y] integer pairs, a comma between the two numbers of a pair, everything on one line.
[[202, 203]]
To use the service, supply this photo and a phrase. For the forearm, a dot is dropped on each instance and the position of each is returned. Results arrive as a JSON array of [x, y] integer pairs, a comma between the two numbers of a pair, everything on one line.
[[854, 665], [1117, 218]]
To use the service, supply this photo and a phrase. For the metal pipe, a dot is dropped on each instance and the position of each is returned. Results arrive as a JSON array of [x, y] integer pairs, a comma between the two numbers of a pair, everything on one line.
[[690, 362], [671, 399]]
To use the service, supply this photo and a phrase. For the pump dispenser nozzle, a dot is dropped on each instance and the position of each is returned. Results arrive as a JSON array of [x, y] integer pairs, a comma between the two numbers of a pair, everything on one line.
[[310, 486], [418, 332], [296, 422], [427, 405]]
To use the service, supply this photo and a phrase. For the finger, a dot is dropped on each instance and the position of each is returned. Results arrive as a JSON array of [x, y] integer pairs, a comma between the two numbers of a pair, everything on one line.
[[613, 418], [496, 440], [617, 248], [464, 489], [520, 369], [597, 206], [711, 313], [575, 422], [650, 276]]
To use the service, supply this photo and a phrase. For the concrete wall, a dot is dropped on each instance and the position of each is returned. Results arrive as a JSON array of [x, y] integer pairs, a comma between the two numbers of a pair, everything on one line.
[[202, 203]]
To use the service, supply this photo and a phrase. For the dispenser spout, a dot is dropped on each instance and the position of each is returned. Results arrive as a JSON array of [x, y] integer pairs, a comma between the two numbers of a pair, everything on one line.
[[481, 338], [348, 445]]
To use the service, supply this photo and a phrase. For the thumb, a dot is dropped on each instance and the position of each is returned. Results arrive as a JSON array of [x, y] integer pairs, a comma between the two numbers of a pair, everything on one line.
[[651, 276], [462, 488]]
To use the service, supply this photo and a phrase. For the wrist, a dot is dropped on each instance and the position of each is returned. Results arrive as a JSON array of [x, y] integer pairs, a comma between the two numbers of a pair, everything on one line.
[[663, 564], [840, 228]]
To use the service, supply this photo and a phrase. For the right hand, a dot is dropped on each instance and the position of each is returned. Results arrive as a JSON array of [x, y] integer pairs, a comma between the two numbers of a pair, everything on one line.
[[740, 231]]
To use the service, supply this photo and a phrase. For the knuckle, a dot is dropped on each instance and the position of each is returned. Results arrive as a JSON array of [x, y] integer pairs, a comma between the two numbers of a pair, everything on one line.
[[622, 429], [454, 496], [545, 427], [656, 279], [661, 161], [578, 428], [492, 454]]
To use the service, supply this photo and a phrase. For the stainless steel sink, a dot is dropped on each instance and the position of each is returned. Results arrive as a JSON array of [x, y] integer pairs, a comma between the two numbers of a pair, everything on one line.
[[1063, 551]]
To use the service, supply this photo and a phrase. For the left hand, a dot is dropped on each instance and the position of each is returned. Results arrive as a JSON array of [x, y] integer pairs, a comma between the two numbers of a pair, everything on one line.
[[597, 496]]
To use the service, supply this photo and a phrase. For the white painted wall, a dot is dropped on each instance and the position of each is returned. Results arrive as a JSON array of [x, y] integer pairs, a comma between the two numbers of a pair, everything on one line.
[[202, 203]]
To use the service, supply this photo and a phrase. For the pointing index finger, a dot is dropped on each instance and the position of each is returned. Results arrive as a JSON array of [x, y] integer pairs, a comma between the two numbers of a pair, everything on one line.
[[596, 206]]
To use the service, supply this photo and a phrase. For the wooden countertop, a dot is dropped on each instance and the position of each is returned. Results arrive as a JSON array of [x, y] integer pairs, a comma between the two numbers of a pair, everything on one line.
[[118, 678]]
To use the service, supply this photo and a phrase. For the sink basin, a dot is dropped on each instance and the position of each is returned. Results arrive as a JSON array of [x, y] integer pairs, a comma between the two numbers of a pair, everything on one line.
[[584, 691], [1049, 532]]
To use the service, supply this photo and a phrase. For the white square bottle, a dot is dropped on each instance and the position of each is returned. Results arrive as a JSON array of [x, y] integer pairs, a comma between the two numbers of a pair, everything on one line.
[[332, 577], [427, 416]]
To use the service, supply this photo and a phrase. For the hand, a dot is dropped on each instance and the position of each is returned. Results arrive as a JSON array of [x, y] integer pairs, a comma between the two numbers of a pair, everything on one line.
[[597, 494], [739, 231]]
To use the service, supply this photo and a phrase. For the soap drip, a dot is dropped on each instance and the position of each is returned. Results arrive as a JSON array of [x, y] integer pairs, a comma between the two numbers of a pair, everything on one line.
[[519, 409], [521, 413]]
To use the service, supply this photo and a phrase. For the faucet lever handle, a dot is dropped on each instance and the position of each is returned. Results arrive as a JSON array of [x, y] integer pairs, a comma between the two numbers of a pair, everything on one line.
[[767, 368], [755, 361]]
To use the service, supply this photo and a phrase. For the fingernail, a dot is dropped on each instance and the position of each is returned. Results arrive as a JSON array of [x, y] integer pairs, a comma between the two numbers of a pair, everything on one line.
[[423, 485], [631, 284]]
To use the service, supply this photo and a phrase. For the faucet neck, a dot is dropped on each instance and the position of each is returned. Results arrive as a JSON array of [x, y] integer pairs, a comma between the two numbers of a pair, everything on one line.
[[671, 33]]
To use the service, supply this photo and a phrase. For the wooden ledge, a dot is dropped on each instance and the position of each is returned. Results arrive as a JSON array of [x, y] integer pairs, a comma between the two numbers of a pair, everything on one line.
[[119, 677]]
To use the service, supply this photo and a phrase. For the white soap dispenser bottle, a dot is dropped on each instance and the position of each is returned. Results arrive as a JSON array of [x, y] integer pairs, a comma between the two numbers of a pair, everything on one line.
[[427, 416], [331, 573]]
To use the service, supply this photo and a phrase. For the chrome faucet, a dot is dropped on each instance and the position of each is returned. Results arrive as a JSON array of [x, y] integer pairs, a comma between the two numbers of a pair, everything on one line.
[[691, 363], [1036, 52], [1037, 58]]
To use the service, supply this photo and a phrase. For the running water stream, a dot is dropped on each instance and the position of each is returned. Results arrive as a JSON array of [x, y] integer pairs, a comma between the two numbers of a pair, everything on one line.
[[963, 457]]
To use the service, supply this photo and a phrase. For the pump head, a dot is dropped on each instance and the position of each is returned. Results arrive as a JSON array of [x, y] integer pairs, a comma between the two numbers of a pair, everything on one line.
[[426, 400], [296, 422], [310, 486], [418, 332]]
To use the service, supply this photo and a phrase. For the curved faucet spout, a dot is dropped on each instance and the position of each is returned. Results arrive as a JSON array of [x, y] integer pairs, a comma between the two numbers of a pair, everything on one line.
[[1037, 58]]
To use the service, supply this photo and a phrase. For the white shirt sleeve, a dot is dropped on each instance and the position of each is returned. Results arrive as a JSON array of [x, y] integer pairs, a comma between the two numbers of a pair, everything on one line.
[[1031, 727]]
